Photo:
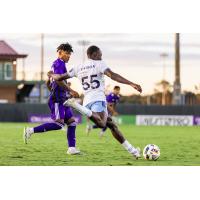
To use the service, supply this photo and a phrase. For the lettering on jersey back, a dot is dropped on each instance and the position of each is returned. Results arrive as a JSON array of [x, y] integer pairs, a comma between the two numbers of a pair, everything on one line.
[[87, 67]]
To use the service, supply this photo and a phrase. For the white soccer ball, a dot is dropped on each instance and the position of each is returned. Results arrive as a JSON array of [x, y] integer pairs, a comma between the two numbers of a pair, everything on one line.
[[151, 152]]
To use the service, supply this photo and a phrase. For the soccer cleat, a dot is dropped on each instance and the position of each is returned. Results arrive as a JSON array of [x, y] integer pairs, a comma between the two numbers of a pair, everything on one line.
[[70, 102], [88, 129], [26, 135], [73, 151], [136, 153]]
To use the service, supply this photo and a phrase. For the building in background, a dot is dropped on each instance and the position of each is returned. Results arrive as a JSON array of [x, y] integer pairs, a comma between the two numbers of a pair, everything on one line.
[[8, 73], [13, 90]]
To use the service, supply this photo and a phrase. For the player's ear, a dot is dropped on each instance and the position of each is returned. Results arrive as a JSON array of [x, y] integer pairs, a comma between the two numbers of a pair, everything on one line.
[[59, 52]]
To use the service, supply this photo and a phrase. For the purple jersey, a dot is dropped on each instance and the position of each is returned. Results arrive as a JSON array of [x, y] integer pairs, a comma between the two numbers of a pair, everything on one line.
[[58, 93], [112, 98]]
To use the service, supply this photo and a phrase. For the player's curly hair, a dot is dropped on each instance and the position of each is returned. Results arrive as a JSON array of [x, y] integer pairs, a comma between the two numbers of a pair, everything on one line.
[[65, 47], [116, 87], [92, 49]]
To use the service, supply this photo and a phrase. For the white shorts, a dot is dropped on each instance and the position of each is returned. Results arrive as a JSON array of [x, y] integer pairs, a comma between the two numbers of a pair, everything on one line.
[[97, 106]]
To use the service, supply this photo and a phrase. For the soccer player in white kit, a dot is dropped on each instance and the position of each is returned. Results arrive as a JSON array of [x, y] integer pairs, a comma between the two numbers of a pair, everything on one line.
[[91, 75]]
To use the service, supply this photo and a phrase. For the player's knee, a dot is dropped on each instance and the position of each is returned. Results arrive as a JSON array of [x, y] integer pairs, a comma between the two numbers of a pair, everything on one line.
[[70, 121], [101, 124], [61, 121]]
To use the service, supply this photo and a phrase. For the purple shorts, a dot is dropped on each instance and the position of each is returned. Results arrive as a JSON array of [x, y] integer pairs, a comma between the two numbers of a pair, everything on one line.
[[59, 111]]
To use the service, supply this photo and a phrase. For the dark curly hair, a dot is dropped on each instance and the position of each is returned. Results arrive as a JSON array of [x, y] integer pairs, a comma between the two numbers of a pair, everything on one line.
[[116, 87], [92, 49], [65, 47]]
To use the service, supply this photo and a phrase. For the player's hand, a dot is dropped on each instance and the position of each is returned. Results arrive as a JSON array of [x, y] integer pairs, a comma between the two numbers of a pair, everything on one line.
[[56, 77], [74, 94], [137, 87], [50, 73]]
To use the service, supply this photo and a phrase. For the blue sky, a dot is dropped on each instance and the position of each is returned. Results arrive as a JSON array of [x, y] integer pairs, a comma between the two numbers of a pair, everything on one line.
[[135, 56]]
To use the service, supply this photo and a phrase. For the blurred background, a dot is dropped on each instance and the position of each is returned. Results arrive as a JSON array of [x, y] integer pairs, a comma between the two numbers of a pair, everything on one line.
[[165, 65]]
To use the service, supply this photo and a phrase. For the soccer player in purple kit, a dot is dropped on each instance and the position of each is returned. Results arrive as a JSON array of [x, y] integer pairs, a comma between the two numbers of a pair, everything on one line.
[[112, 99], [59, 92]]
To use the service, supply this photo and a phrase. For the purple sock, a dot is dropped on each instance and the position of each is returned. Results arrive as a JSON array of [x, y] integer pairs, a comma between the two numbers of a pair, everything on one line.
[[95, 126], [47, 127], [71, 134]]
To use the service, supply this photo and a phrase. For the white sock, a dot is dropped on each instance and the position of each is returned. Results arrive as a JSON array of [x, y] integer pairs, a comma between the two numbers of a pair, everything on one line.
[[31, 130], [83, 110], [129, 147]]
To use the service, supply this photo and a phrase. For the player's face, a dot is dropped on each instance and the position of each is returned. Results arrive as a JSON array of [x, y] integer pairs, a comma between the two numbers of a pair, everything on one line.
[[64, 55], [117, 91], [99, 55], [96, 55]]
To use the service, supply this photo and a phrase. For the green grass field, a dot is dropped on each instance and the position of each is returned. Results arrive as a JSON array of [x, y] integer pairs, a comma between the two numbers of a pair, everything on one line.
[[179, 146]]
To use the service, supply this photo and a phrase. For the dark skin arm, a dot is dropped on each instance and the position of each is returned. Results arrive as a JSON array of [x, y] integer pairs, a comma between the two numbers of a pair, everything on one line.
[[67, 88], [116, 77], [64, 85], [58, 77]]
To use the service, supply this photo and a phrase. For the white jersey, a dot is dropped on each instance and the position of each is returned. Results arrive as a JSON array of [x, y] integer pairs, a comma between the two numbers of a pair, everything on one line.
[[91, 76]]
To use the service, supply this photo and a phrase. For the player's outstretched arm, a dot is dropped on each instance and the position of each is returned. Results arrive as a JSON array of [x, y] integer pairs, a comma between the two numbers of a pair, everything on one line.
[[67, 88], [116, 77], [58, 77]]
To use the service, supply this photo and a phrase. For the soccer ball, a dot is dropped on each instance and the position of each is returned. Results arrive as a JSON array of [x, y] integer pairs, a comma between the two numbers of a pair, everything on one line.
[[151, 152]]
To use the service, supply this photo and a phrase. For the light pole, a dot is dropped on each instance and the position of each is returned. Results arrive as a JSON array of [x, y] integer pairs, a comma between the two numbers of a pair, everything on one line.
[[42, 65], [177, 83], [83, 43], [164, 93]]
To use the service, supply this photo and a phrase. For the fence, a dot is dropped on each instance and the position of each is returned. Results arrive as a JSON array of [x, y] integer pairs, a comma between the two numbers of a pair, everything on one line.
[[21, 112]]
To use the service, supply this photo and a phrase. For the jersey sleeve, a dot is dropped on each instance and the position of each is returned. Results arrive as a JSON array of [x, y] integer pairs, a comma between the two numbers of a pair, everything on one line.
[[103, 67], [58, 68], [108, 98], [72, 72]]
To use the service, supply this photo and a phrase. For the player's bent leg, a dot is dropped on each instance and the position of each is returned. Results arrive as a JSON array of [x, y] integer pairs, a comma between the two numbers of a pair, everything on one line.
[[120, 138], [115, 131], [82, 109], [99, 113], [99, 118], [57, 125], [96, 112]]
